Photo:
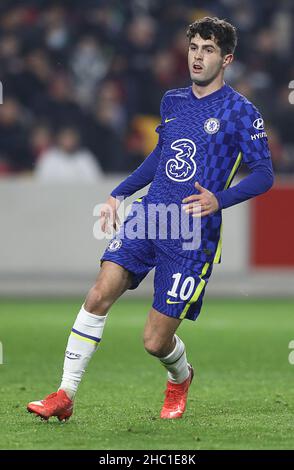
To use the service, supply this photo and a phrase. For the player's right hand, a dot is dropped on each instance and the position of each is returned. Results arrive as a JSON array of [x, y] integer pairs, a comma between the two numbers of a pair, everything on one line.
[[108, 215]]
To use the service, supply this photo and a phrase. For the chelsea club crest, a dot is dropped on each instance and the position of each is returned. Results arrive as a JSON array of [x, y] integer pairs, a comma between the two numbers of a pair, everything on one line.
[[211, 125], [114, 244]]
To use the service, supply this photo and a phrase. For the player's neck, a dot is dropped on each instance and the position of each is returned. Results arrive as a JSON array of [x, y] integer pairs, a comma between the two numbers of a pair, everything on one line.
[[202, 91]]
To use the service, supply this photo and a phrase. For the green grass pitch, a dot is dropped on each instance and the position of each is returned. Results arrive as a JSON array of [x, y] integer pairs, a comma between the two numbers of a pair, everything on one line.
[[242, 397]]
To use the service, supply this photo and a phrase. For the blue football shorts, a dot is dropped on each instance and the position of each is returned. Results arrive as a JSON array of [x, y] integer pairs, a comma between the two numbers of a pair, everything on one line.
[[178, 288]]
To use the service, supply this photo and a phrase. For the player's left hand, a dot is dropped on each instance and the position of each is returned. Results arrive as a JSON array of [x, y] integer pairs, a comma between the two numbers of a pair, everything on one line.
[[202, 204]]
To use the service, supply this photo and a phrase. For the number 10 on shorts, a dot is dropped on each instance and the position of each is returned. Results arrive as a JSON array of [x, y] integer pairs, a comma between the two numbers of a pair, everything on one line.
[[184, 289]]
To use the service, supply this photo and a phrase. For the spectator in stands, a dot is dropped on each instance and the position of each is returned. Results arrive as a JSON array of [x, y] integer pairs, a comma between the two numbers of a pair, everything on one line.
[[89, 65], [154, 84], [14, 153], [60, 106], [106, 128], [41, 140], [57, 31], [67, 162]]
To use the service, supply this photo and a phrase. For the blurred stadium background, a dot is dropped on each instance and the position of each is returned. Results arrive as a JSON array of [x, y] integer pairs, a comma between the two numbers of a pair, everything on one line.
[[85, 79]]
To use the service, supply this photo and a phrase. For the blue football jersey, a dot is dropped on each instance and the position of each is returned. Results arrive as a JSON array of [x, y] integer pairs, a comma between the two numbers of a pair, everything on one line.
[[205, 140]]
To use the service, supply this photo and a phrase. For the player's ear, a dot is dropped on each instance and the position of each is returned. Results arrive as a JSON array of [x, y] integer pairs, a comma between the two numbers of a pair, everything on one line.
[[228, 58]]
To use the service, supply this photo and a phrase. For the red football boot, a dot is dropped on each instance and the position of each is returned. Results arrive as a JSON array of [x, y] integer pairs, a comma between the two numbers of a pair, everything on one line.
[[57, 404], [176, 397]]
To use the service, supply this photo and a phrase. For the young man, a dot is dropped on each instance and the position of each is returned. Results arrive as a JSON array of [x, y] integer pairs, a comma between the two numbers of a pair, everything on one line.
[[205, 132]]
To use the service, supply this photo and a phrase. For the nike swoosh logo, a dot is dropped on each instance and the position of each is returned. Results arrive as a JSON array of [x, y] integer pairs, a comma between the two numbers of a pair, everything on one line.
[[171, 119], [174, 301]]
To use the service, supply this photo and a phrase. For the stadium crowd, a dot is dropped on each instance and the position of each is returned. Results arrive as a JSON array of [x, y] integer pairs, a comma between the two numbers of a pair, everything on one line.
[[82, 80]]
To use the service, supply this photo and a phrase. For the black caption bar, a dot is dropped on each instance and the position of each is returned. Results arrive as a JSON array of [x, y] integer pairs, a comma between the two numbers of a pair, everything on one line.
[[133, 458]]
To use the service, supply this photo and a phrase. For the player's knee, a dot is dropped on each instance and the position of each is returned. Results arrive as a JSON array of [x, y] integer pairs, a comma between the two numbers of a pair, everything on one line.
[[96, 302], [155, 347]]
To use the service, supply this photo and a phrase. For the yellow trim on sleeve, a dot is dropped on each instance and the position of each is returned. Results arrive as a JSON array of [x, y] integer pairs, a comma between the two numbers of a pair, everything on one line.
[[229, 180], [234, 170]]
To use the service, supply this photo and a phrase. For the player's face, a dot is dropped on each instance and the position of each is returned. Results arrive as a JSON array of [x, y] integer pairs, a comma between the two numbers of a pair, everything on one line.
[[204, 60]]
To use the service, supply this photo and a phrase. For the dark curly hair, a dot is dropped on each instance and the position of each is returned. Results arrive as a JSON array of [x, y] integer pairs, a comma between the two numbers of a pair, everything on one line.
[[221, 31]]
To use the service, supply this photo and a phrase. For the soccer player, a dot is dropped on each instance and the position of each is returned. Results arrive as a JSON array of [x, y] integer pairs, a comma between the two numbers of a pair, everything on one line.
[[206, 130]]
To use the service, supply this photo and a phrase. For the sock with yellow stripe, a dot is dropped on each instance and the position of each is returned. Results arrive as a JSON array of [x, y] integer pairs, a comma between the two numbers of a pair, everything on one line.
[[176, 363], [83, 341]]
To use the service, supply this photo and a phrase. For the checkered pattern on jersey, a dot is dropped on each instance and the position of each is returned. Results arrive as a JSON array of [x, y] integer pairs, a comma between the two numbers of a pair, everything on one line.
[[186, 118]]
